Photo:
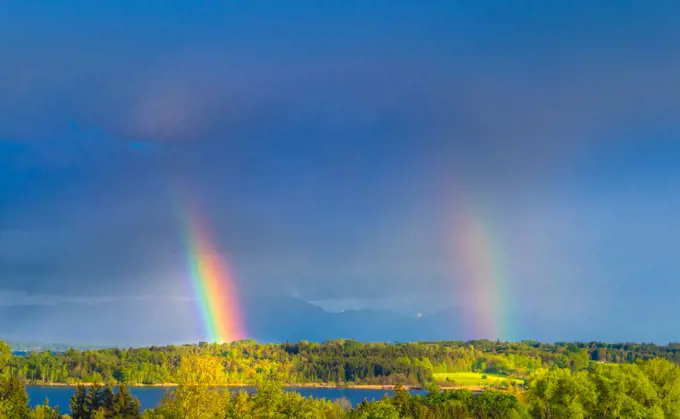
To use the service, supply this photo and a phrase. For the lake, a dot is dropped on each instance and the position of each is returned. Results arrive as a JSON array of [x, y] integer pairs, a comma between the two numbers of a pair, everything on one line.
[[150, 396]]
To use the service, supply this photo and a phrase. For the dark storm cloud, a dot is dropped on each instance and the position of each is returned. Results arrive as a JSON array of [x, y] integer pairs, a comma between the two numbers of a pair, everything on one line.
[[21, 298], [327, 158]]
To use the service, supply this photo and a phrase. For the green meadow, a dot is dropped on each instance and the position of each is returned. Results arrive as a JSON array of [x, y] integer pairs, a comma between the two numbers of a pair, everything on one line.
[[473, 379]]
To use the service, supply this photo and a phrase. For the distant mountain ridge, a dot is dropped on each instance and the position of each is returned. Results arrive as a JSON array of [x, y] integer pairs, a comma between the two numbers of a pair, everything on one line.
[[42, 346], [272, 318], [279, 319]]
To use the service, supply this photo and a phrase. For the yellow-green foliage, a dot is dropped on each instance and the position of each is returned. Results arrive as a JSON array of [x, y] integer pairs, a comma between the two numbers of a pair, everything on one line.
[[268, 402], [644, 390], [338, 362], [201, 370], [649, 389], [474, 379]]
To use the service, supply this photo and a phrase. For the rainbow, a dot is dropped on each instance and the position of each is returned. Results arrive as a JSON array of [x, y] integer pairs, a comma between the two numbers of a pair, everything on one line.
[[482, 272], [212, 285]]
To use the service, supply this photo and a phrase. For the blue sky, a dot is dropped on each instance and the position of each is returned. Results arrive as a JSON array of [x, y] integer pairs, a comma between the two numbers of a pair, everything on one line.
[[329, 147]]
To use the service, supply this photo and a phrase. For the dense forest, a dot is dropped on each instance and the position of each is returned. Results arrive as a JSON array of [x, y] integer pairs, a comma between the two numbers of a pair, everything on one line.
[[338, 362], [645, 389]]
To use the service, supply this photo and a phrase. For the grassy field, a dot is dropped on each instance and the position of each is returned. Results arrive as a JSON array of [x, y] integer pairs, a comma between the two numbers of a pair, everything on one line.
[[474, 379]]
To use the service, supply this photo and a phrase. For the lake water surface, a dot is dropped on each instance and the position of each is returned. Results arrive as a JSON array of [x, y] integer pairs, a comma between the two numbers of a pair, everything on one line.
[[150, 396]]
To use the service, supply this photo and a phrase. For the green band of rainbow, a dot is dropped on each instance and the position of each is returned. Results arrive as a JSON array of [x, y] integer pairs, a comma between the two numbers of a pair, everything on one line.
[[483, 274], [213, 287]]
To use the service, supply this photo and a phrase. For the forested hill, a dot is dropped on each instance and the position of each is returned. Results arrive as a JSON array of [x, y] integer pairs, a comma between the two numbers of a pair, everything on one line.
[[334, 362], [24, 347]]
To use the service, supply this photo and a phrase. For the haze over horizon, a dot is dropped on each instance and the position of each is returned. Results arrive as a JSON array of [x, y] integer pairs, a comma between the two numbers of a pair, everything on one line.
[[379, 170]]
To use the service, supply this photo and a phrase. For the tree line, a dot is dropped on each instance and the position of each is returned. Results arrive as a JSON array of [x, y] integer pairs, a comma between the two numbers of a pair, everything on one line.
[[339, 361], [646, 389]]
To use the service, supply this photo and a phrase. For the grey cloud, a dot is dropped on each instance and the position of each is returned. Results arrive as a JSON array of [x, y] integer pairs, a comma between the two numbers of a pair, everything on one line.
[[490, 109], [15, 298], [501, 126]]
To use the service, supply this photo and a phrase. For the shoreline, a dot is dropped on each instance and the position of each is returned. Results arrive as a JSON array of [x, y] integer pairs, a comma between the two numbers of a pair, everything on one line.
[[389, 387], [238, 385]]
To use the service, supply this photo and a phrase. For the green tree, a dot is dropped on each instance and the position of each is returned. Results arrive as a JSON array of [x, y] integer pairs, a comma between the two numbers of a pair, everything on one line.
[[13, 399], [94, 399], [5, 356], [45, 411], [493, 404], [665, 377], [560, 394], [580, 360], [201, 370], [194, 402], [267, 398], [600, 354], [78, 403], [376, 410], [404, 403], [195, 398], [124, 405]]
